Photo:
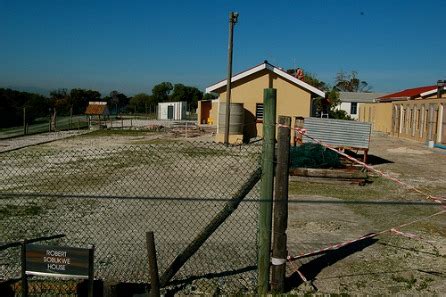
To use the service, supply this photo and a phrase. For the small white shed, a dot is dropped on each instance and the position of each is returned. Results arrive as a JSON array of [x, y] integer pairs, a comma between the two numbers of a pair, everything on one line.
[[172, 110]]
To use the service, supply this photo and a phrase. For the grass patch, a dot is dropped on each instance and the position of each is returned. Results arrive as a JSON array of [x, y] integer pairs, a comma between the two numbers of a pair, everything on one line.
[[204, 152], [431, 227], [408, 281], [157, 141], [378, 188], [12, 210], [382, 215], [113, 132]]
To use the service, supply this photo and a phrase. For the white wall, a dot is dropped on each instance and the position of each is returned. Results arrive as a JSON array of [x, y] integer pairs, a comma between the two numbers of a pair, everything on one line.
[[179, 110], [346, 106]]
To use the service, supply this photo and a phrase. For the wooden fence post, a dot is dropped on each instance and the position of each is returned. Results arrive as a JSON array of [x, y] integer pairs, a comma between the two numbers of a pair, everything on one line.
[[153, 266], [23, 272], [279, 254], [24, 120], [90, 290], [266, 189]]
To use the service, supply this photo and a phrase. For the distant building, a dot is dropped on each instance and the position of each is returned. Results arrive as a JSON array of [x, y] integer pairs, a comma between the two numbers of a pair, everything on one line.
[[97, 112], [172, 110], [416, 113], [294, 98], [97, 108], [350, 101]]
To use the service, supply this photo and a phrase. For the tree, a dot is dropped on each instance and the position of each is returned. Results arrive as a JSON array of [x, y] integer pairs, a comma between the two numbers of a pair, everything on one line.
[[140, 102], [12, 103], [325, 105], [351, 83], [60, 100], [79, 99], [117, 101], [186, 93], [161, 92], [209, 96]]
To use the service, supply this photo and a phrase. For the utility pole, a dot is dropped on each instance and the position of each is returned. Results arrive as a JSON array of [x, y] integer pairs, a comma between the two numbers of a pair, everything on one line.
[[232, 20]]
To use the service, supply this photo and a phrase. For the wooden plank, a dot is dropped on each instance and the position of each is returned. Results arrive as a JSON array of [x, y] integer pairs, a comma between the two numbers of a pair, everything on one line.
[[327, 173]]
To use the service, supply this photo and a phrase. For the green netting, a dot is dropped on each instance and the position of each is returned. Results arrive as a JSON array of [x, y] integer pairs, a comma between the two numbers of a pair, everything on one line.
[[313, 155]]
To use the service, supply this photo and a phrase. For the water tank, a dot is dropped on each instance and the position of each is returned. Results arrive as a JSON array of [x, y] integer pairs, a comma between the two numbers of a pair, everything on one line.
[[236, 118]]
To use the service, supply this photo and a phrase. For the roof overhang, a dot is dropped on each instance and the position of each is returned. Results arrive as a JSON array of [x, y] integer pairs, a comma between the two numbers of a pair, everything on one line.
[[393, 99], [270, 68], [431, 92]]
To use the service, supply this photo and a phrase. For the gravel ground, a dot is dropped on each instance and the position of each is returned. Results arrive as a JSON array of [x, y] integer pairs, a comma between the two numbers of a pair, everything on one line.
[[136, 172]]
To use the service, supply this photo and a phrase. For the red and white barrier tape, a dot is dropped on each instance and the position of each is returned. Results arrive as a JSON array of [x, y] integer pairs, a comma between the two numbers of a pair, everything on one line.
[[410, 235], [395, 230], [330, 248], [342, 244]]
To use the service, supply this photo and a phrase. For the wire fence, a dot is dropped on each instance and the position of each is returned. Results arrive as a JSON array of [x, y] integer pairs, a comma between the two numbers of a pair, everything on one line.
[[42, 125], [111, 197]]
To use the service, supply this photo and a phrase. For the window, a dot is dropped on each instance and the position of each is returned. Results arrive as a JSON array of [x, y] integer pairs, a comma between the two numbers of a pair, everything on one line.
[[259, 112], [354, 108]]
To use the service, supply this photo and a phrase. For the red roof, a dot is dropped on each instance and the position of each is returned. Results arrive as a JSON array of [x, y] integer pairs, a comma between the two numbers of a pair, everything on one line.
[[96, 109], [406, 94]]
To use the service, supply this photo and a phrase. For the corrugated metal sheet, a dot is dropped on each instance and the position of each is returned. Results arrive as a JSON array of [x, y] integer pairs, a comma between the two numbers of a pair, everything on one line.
[[338, 133]]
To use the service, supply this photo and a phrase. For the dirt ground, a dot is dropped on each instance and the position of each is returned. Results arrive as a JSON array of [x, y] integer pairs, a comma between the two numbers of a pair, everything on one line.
[[319, 214], [411, 263], [109, 187]]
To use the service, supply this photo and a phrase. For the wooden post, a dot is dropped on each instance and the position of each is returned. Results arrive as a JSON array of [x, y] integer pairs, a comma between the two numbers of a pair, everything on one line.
[[71, 116], [54, 120], [266, 189], [49, 120], [198, 241], [24, 120], [279, 254], [153, 266], [24, 276], [90, 271]]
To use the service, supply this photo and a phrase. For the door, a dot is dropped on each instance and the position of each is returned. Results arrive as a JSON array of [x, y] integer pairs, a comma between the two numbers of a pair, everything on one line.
[[170, 112]]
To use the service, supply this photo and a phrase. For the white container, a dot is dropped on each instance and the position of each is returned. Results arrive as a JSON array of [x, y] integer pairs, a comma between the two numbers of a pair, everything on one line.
[[174, 111], [430, 144]]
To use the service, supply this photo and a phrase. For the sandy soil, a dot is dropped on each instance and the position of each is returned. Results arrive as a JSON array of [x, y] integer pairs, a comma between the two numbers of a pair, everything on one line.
[[147, 182], [24, 141], [320, 215]]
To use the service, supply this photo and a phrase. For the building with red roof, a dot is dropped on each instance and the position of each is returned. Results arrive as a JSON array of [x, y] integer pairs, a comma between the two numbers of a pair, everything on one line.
[[406, 94], [416, 113]]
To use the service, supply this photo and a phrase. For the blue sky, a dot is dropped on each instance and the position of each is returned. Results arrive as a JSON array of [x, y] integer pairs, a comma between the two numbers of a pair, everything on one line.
[[132, 45]]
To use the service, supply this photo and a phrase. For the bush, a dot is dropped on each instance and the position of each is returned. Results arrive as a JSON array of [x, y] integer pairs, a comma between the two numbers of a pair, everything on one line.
[[313, 155]]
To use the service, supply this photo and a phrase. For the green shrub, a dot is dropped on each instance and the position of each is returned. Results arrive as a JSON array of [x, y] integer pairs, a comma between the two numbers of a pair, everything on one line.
[[313, 155]]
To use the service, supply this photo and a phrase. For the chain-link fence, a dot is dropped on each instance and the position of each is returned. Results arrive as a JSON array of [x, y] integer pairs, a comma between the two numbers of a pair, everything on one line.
[[111, 196]]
